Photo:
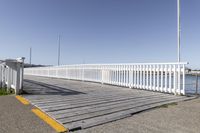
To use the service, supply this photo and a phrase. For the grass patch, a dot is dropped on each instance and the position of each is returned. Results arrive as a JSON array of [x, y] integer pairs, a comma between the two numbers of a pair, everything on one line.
[[3, 92], [167, 105]]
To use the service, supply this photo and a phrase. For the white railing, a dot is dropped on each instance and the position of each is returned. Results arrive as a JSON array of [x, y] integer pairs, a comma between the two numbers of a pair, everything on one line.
[[11, 74], [162, 77]]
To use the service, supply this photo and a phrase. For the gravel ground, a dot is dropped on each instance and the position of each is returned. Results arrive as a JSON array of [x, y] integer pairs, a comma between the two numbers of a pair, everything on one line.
[[181, 118], [18, 118]]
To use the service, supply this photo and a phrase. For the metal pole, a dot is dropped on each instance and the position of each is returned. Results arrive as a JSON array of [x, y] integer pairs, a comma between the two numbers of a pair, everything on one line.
[[59, 50], [178, 29]]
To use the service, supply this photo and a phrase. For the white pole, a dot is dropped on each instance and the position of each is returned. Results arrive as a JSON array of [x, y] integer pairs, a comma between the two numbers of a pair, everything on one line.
[[178, 28], [177, 75]]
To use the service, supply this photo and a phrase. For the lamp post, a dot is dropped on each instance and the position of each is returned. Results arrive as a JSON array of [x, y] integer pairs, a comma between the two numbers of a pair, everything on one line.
[[178, 29]]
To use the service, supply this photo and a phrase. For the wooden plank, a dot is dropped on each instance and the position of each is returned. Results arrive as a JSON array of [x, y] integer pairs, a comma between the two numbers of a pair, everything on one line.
[[63, 99], [50, 98], [103, 105], [81, 102], [91, 107], [112, 110], [126, 104], [87, 123], [61, 107]]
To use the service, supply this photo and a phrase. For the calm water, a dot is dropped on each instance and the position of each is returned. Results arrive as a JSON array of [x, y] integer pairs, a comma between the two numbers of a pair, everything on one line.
[[190, 84]]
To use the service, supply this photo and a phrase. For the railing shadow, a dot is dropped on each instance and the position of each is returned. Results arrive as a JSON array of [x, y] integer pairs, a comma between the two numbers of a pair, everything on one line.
[[39, 88]]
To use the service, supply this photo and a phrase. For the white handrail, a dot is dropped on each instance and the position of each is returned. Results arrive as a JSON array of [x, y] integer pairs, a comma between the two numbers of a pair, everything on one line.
[[11, 74], [162, 77]]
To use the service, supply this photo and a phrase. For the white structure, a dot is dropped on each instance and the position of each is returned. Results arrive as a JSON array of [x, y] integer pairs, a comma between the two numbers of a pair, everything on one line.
[[11, 74], [162, 77]]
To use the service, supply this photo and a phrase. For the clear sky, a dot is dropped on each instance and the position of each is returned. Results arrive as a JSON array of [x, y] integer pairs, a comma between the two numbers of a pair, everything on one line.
[[99, 31]]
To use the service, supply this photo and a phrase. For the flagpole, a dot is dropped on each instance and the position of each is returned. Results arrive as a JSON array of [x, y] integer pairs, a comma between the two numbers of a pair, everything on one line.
[[178, 29]]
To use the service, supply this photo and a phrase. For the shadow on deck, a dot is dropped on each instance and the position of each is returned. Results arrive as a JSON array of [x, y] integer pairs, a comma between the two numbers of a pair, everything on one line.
[[40, 88]]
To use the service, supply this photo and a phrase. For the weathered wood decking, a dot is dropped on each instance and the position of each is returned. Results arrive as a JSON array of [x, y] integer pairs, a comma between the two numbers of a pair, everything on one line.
[[79, 105]]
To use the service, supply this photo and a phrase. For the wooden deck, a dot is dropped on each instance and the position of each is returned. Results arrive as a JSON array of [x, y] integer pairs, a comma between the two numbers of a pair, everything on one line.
[[79, 105]]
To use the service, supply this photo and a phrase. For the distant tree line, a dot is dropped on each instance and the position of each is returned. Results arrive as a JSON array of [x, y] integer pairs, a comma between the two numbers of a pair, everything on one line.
[[34, 65]]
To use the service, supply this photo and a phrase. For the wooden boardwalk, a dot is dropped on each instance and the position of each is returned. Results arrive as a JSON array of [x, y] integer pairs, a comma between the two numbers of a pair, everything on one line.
[[79, 105]]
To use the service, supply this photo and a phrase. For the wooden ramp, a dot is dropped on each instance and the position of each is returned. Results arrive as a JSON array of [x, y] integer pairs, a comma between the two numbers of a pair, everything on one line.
[[79, 105]]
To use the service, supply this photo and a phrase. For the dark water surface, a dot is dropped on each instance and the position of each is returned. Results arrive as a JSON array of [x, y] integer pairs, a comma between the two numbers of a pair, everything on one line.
[[190, 84]]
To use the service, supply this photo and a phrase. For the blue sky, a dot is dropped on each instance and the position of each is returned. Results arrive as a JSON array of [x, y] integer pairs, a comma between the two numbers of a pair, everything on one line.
[[99, 31]]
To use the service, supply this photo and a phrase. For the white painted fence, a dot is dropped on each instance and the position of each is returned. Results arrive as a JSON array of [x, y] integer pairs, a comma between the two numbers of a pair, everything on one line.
[[11, 74], [162, 77]]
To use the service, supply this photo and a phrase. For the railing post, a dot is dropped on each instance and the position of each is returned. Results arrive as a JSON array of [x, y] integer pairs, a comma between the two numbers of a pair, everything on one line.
[[161, 84], [183, 89], [127, 75], [143, 78], [102, 75], [121, 75], [179, 82], [131, 76], [158, 78], [150, 84], [170, 79], [175, 80], [17, 87], [8, 79], [140, 69], [124, 75], [166, 72], [154, 77], [135, 81], [117, 75], [21, 72], [147, 77], [83, 73], [3, 76], [137, 76]]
